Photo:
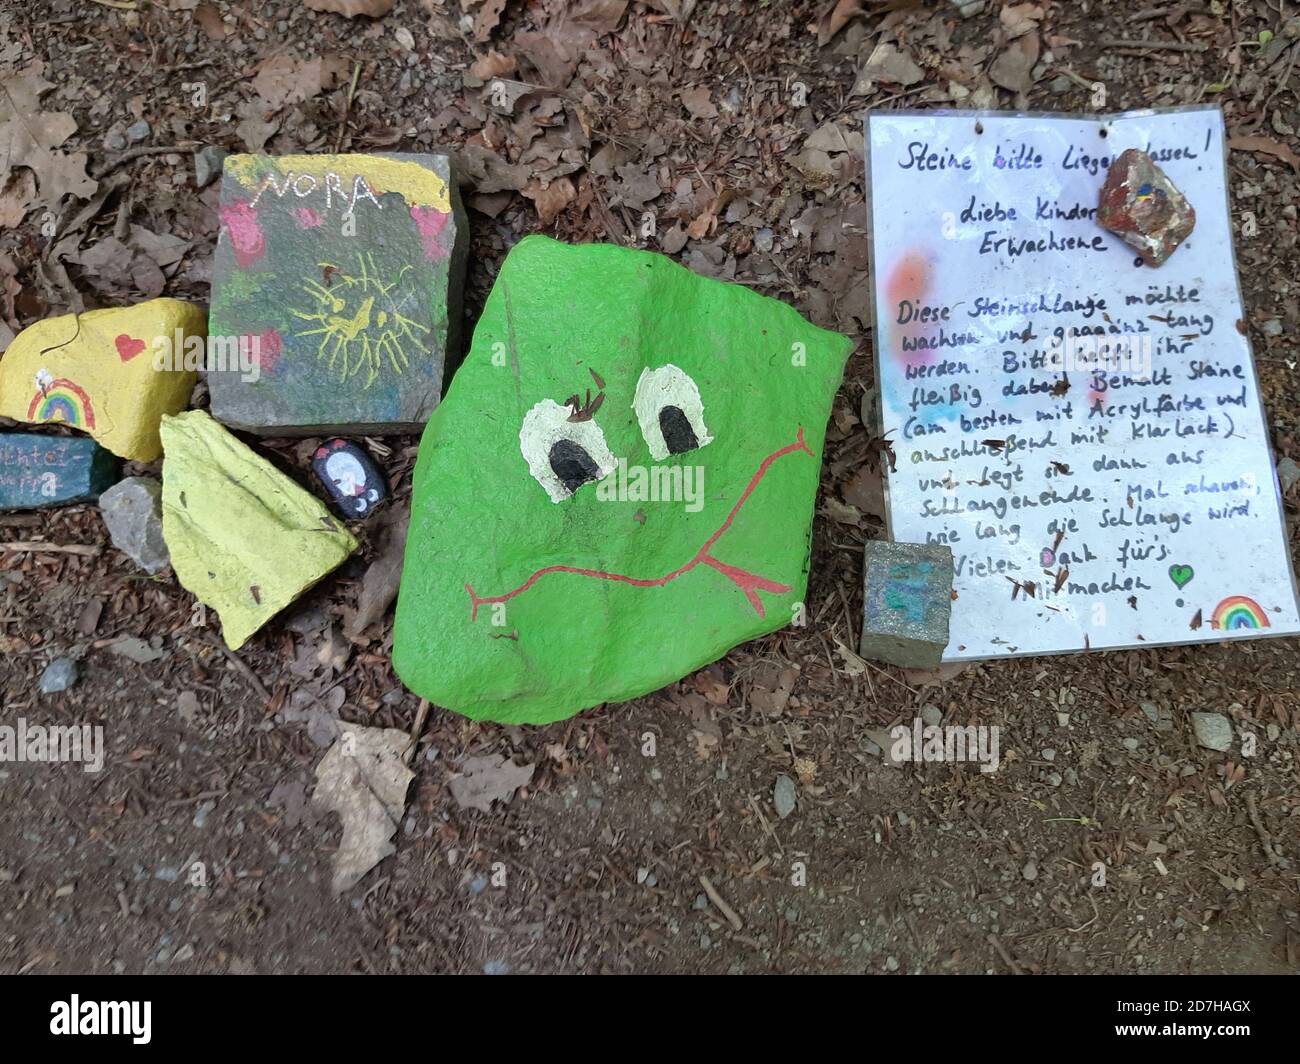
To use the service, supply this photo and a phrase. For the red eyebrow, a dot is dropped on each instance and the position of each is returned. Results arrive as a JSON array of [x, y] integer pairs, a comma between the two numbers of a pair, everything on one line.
[[749, 583]]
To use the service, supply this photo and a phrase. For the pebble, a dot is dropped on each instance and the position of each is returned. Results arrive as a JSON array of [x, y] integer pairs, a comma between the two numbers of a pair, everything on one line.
[[1213, 730], [783, 796], [59, 675], [208, 161], [932, 715], [138, 131], [1030, 871], [1272, 327], [114, 141], [1054, 779], [496, 968], [891, 963], [1049, 754], [1288, 472], [1130, 744]]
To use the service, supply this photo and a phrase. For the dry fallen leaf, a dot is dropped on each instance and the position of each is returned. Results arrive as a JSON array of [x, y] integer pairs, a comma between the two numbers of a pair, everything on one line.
[[363, 778], [551, 200], [1013, 69], [379, 585], [353, 8], [1266, 146], [484, 780], [28, 138]]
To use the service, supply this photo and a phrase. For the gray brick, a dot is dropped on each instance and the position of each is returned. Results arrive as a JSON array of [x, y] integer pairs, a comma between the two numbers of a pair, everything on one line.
[[907, 602]]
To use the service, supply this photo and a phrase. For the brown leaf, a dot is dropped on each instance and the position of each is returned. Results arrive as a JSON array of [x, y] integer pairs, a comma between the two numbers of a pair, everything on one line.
[[1013, 69], [552, 199], [363, 778], [1266, 146], [484, 780], [379, 585], [209, 19], [836, 18], [865, 490], [29, 137], [353, 8], [492, 65]]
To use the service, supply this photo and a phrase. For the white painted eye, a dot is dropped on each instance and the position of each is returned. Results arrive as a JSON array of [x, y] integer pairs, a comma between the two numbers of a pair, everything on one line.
[[668, 406], [562, 455]]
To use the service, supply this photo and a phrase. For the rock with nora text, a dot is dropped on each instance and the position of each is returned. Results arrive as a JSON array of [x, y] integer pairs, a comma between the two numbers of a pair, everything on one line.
[[38, 470], [243, 538], [338, 278], [907, 602], [1143, 207], [618, 488], [111, 373]]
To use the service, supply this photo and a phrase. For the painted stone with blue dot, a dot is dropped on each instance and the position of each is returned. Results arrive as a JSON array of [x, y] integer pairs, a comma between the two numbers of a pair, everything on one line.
[[907, 603], [351, 479]]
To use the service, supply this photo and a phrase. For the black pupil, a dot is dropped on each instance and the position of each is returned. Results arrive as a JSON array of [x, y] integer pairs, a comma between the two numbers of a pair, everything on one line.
[[679, 437], [572, 465]]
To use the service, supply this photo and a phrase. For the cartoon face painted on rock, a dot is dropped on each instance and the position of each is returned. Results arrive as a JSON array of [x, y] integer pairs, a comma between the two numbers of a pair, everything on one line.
[[617, 488], [353, 482]]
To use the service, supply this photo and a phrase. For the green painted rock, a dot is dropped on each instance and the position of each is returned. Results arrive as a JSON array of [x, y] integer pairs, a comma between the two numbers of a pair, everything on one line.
[[617, 489], [336, 286], [40, 470], [244, 538]]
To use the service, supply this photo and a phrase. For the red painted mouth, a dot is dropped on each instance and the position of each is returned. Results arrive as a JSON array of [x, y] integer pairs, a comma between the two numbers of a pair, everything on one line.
[[749, 583]]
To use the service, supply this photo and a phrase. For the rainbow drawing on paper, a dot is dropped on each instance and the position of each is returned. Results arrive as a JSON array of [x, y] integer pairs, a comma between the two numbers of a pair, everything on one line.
[[58, 399], [1238, 611]]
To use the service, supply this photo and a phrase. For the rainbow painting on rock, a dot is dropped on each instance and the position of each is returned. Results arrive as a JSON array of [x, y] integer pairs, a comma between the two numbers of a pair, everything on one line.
[[62, 400], [1237, 612]]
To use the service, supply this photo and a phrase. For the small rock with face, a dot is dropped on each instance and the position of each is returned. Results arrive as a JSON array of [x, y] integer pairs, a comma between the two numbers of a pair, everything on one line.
[[353, 482]]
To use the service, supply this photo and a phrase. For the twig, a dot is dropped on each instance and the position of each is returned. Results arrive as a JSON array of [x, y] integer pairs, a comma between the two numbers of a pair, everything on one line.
[[347, 108], [1265, 839], [1153, 46], [421, 715], [241, 667], [86, 550], [131, 155], [117, 5], [721, 905], [996, 943]]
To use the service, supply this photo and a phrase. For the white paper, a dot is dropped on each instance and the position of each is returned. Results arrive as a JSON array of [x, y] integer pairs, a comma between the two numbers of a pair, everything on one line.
[[1167, 528]]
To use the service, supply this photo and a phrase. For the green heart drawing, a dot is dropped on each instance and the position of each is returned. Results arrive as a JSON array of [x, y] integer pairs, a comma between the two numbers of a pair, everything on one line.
[[1181, 575]]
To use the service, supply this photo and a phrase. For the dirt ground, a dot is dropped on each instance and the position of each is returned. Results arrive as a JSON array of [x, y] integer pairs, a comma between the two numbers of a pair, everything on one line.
[[699, 113]]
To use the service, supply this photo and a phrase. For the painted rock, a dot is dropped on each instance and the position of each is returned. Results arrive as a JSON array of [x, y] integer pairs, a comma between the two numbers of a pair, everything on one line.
[[111, 373], [907, 602], [1143, 207], [341, 274], [617, 489], [353, 482], [38, 470], [244, 538], [132, 512]]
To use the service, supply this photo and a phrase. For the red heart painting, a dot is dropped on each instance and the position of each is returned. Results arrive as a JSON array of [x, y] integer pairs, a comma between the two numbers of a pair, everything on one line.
[[128, 347]]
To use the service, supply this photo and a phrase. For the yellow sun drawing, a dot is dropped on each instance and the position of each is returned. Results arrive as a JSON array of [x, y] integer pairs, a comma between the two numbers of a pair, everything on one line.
[[358, 320]]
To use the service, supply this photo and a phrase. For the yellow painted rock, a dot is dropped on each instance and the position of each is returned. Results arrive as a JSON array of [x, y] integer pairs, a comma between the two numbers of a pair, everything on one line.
[[244, 538], [111, 373]]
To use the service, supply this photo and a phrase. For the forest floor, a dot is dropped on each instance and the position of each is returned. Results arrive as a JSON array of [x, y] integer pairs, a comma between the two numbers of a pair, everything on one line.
[[701, 114]]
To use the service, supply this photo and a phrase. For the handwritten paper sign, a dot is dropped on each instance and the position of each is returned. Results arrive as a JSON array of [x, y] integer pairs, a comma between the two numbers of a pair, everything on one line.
[[1084, 431]]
